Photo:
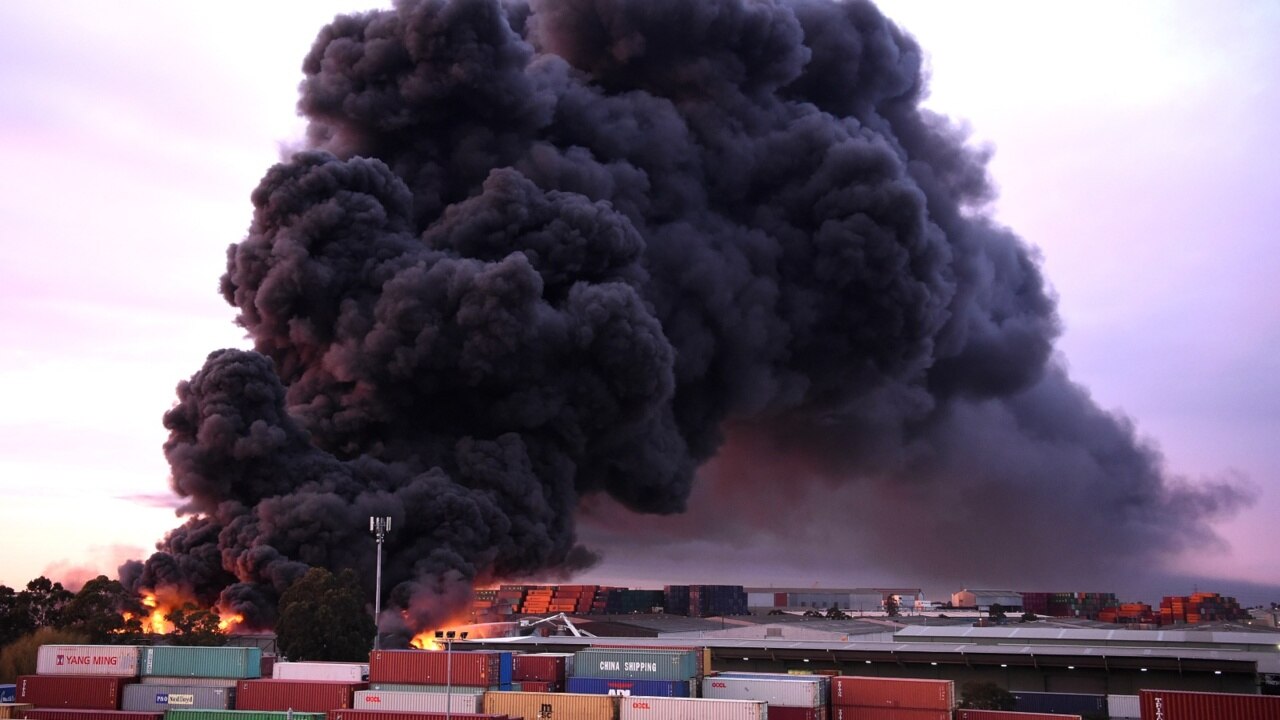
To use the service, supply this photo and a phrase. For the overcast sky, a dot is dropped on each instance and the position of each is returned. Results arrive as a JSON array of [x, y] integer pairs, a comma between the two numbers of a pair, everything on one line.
[[1134, 145]]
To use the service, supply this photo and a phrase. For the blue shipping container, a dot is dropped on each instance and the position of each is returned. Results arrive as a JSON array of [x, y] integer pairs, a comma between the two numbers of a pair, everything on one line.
[[8, 693], [628, 687], [1061, 703]]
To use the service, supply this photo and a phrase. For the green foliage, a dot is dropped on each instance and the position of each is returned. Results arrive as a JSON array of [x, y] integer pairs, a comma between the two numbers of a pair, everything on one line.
[[19, 657], [323, 617], [985, 696], [996, 612], [194, 625], [39, 605], [98, 611], [1029, 617], [835, 613]]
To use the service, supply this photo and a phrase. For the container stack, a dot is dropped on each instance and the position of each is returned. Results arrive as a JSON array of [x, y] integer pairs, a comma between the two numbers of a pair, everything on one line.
[[85, 681], [542, 672], [179, 714], [873, 698], [537, 601], [191, 678], [301, 695], [421, 681], [790, 697], [627, 602], [634, 672]]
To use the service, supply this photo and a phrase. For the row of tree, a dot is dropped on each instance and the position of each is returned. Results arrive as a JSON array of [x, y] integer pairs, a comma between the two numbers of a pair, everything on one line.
[[322, 616]]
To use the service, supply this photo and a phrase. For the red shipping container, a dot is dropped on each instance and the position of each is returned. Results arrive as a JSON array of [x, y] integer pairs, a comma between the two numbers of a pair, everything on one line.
[[1177, 705], [1009, 715], [406, 715], [297, 695], [435, 667], [88, 692], [853, 712], [777, 712], [893, 692], [50, 714], [547, 668], [539, 686]]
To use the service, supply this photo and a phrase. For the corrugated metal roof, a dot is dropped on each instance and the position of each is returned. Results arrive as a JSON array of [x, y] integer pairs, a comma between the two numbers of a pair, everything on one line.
[[1032, 631]]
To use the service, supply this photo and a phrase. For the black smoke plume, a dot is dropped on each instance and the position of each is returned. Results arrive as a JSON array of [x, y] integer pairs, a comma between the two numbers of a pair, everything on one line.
[[543, 252]]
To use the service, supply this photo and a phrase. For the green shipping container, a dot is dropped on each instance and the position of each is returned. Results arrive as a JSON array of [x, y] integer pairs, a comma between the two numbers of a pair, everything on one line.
[[635, 664], [207, 662], [173, 714]]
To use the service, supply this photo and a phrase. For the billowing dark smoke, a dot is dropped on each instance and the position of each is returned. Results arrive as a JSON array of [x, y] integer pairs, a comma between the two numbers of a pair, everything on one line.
[[550, 251]]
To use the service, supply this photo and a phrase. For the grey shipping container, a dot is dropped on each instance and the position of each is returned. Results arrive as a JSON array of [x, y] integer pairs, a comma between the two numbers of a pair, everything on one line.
[[1124, 707], [661, 708], [115, 660], [335, 671], [213, 662], [419, 701], [801, 691], [160, 698], [636, 664], [189, 681]]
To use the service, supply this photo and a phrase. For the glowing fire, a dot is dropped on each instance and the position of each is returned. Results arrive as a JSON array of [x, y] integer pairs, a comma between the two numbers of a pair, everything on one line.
[[428, 641], [159, 604]]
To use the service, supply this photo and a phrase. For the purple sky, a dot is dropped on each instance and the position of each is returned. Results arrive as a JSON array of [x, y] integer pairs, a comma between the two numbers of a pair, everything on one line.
[[1133, 145]]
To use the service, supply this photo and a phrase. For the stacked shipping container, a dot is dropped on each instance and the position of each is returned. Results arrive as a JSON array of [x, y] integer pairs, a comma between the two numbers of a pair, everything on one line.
[[1010, 715], [79, 677], [634, 671], [1175, 705], [790, 697]]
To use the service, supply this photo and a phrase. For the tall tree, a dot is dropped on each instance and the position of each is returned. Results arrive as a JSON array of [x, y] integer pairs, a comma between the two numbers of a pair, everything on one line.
[[99, 610], [14, 621], [323, 617], [44, 601], [194, 625]]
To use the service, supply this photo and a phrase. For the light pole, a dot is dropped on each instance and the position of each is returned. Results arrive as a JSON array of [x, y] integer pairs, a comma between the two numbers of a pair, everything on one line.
[[379, 526], [448, 636]]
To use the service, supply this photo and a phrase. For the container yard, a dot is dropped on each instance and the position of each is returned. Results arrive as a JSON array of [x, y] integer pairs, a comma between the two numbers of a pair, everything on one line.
[[426, 685], [114, 660]]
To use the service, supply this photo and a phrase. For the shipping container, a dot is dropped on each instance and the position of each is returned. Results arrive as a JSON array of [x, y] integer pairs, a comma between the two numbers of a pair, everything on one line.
[[547, 667], [552, 706], [334, 671], [81, 714], [667, 708], [625, 687], [188, 681], [302, 695], [267, 665], [116, 660], [855, 712], [1178, 705], [211, 662], [239, 715], [8, 693], [636, 664], [1064, 703], [536, 686], [9, 710], [893, 692], [352, 714], [797, 713], [88, 692], [1124, 707], [1013, 715], [418, 702], [435, 667], [412, 687], [777, 690], [159, 698]]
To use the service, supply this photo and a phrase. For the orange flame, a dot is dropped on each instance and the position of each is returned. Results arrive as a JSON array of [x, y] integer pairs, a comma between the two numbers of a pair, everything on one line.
[[160, 603]]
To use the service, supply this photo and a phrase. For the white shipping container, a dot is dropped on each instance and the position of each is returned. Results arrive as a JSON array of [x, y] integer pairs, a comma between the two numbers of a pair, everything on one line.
[[1124, 707], [336, 671], [418, 701], [664, 708], [113, 660], [799, 692]]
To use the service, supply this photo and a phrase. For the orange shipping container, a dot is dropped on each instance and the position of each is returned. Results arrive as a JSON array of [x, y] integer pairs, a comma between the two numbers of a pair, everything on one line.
[[853, 712], [552, 706], [893, 693]]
